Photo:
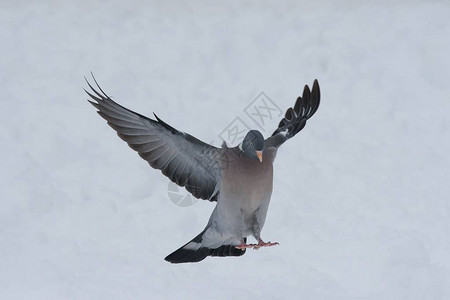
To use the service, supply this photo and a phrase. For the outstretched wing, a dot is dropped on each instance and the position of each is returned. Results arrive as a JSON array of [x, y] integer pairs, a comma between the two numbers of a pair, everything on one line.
[[186, 160], [295, 118]]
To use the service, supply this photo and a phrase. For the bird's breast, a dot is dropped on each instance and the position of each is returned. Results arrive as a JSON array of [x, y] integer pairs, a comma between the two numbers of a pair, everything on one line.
[[247, 183]]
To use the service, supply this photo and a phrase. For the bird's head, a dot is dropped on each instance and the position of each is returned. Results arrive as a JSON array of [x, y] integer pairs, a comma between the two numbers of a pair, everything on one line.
[[253, 145]]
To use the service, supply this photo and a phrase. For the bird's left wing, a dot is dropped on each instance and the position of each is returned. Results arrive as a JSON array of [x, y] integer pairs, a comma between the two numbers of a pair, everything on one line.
[[296, 117], [184, 159]]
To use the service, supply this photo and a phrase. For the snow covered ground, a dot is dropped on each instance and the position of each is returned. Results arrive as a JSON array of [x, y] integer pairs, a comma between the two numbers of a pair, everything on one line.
[[361, 202]]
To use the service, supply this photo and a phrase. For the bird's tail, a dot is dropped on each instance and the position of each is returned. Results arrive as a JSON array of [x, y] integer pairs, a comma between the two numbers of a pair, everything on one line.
[[195, 252]]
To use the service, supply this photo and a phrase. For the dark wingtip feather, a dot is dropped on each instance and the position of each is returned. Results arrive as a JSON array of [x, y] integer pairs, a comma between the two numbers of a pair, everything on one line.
[[170, 128], [306, 92], [92, 96], [305, 106], [289, 114], [96, 105], [297, 105], [96, 83], [315, 97], [95, 91], [316, 91]]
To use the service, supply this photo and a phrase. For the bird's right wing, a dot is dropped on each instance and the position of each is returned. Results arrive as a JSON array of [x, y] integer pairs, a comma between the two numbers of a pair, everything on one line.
[[186, 160], [296, 117]]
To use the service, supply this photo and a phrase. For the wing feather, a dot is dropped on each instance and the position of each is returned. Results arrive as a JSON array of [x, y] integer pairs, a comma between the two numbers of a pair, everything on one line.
[[295, 118], [181, 157]]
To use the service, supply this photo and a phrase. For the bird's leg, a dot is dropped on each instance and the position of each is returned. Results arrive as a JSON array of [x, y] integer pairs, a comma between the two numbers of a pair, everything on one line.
[[243, 245], [261, 243]]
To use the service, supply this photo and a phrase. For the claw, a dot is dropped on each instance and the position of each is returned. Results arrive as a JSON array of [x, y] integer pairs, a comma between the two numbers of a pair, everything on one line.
[[245, 246], [261, 243]]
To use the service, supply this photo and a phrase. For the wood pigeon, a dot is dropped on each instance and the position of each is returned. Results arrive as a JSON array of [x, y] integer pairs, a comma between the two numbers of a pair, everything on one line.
[[239, 179]]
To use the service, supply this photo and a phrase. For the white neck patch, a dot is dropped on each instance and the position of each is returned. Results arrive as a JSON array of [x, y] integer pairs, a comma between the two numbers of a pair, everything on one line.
[[240, 146]]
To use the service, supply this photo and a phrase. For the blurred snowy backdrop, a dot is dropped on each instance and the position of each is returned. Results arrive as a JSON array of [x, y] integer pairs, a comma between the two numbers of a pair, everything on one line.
[[361, 202]]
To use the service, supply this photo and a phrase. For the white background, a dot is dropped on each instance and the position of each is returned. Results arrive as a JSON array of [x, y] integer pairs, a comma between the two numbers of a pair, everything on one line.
[[361, 202]]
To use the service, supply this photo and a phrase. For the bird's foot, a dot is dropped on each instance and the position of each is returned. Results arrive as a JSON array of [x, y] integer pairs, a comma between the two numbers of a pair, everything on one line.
[[261, 243], [244, 246]]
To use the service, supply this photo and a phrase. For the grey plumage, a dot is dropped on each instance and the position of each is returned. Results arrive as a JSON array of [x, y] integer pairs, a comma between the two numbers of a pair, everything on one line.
[[186, 160], [238, 178]]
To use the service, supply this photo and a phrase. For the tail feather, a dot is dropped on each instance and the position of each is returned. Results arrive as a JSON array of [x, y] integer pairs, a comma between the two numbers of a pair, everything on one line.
[[194, 252], [228, 250]]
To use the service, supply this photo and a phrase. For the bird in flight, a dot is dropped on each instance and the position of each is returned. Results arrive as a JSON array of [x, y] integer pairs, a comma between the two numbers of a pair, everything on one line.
[[239, 179]]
